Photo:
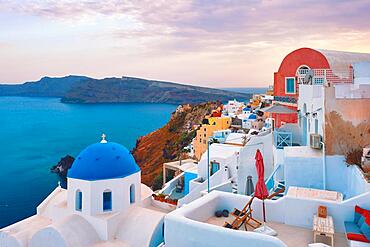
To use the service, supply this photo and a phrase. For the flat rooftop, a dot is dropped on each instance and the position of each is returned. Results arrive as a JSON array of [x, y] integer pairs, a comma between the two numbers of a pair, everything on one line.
[[182, 165], [290, 235], [302, 152]]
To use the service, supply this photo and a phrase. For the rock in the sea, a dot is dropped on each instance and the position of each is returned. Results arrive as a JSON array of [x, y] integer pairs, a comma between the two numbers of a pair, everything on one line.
[[63, 165]]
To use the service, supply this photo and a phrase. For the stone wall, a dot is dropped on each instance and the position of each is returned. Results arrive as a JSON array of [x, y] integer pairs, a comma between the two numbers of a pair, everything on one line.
[[347, 123]]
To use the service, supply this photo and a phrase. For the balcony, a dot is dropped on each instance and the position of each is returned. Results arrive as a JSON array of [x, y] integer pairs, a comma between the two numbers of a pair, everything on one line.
[[321, 76]]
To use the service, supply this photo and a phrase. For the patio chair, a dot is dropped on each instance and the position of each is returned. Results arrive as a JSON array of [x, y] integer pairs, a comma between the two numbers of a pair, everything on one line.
[[243, 216], [179, 187]]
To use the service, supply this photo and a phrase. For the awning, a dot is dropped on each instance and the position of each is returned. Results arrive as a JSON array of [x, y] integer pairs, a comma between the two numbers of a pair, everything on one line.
[[278, 109]]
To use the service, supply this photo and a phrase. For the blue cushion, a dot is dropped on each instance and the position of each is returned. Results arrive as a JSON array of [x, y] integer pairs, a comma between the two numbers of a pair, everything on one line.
[[361, 221], [357, 217], [351, 227], [358, 213], [365, 229]]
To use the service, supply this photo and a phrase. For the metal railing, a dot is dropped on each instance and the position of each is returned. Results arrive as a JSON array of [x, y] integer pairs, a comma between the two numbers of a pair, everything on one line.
[[282, 139], [271, 181], [285, 99], [320, 76]]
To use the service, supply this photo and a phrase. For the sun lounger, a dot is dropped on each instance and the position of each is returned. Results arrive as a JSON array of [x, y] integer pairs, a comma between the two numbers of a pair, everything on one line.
[[243, 216]]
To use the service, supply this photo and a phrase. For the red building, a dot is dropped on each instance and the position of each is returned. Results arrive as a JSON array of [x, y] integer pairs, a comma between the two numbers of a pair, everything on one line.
[[294, 67]]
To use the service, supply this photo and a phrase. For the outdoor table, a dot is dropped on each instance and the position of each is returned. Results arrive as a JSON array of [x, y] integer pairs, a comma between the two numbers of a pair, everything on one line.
[[323, 227]]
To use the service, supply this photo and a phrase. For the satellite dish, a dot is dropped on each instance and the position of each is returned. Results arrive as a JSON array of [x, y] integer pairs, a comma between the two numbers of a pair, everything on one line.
[[308, 78]]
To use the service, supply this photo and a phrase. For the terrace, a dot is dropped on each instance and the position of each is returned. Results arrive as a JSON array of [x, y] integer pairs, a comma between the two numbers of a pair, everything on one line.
[[290, 235], [295, 157], [291, 217]]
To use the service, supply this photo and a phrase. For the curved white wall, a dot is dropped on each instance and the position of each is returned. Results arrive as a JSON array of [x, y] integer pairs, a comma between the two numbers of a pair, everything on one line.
[[7, 240], [73, 231], [48, 237]]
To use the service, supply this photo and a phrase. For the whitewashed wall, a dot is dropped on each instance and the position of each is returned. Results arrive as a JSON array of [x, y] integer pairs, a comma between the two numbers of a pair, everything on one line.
[[184, 227], [247, 164], [311, 100], [92, 193]]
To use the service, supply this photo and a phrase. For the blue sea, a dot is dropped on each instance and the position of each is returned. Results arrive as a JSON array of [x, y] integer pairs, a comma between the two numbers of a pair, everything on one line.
[[36, 132]]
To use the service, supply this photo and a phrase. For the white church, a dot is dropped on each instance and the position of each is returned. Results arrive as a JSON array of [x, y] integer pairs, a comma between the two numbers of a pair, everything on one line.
[[105, 205]]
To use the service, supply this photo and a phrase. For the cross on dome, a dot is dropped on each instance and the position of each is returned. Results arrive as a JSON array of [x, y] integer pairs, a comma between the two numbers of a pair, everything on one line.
[[103, 136]]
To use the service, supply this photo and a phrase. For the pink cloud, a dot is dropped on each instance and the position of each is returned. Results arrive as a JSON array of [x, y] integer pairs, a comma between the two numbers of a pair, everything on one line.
[[227, 38]]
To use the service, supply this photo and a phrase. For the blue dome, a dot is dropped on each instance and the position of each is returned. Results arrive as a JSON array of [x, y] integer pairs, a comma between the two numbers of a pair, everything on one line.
[[247, 109], [103, 161], [252, 116]]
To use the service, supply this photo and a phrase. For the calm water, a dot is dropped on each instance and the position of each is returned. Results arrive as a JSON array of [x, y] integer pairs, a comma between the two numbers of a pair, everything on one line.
[[36, 132]]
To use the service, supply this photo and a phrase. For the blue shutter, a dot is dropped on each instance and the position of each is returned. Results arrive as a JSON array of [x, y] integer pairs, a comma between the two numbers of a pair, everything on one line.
[[78, 204], [290, 85]]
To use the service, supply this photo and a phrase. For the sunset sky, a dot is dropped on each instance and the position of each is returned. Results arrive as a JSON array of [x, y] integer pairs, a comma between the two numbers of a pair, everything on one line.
[[210, 43]]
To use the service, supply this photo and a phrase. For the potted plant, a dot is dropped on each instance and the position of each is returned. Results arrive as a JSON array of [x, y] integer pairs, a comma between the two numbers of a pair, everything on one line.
[[161, 197]]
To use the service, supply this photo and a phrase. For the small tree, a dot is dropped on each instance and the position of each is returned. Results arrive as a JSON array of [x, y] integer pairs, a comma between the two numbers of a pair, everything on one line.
[[158, 182], [353, 157]]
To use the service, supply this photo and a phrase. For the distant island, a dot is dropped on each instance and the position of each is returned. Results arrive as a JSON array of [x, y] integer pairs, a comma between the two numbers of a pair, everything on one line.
[[82, 89]]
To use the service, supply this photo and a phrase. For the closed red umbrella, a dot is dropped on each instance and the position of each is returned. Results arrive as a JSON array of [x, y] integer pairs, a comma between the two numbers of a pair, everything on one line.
[[261, 189]]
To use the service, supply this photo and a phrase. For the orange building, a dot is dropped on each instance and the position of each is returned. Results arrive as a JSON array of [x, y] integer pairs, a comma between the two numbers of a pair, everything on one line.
[[206, 130]]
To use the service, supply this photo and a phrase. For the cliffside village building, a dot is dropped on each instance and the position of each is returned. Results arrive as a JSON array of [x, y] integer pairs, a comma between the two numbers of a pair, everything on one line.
[[205, 131]]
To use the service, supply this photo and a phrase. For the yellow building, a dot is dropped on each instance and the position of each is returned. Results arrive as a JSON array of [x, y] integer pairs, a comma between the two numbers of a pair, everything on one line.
[[206, 130]]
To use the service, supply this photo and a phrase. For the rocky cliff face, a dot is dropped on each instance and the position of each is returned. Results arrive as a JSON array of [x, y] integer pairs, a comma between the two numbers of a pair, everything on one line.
[[45, 87], [167, 143], [129, 89]]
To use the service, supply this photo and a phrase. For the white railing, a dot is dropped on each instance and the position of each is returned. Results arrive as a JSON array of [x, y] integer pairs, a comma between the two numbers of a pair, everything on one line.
[[43, 205], [272, 181], [225, 187], [170, 185]]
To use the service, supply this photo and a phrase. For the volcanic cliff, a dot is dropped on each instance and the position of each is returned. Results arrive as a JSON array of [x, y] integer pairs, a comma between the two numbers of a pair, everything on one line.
[[168, 142]]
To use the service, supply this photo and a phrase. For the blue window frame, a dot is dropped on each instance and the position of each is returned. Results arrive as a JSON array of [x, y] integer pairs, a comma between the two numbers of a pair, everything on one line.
[[107, 201], [290, 85], [78, 204]]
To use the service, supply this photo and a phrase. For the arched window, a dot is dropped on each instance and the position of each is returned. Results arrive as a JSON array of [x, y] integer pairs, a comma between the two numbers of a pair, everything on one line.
[[107, 200], [132, 193], [301, 73], [78, 200]]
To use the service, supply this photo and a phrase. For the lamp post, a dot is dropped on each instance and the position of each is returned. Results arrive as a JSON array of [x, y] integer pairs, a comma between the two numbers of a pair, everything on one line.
[[209, 142]]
